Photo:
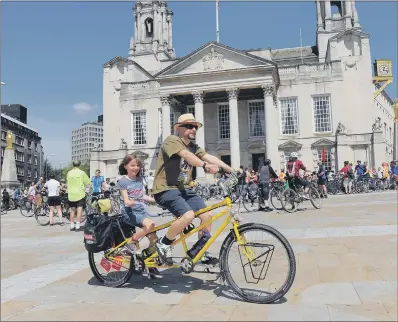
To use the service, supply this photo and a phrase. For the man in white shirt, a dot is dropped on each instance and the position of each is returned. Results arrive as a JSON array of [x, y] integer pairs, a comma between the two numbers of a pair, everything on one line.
[[54, 200]]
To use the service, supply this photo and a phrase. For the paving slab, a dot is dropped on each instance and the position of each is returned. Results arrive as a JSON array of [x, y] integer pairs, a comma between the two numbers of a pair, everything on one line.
[[346, 256]]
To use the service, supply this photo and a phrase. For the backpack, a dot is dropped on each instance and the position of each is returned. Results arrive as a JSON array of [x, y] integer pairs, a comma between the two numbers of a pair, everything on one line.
[[350, 173]]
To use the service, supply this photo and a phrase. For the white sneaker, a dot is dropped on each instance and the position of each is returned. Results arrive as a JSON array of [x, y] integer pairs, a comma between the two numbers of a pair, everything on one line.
[[77, 226], [72, 226], [165, 253]]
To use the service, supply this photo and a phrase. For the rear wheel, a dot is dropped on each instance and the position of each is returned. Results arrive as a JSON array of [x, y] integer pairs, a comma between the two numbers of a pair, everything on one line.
[[111, 270], [250, 202], [289, 200], [26, 208], [248, 274]]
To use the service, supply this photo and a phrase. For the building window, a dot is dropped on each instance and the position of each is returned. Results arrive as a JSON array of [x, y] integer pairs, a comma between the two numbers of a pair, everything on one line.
[[322, 114], [223, 121], [256, 118], [18, 140], [191, 109], [19, 156], [20, 171], [139, 128], [324, 157], [289, 116], [2, 151], [29, 172], [29, 158], [3, 135]]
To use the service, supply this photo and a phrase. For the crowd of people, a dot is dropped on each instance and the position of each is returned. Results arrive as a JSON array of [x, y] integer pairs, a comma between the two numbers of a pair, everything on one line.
[[169, 186]]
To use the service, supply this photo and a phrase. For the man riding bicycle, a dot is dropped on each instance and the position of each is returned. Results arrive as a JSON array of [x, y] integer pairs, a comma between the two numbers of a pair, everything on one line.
[[177, 157], [293, 168]]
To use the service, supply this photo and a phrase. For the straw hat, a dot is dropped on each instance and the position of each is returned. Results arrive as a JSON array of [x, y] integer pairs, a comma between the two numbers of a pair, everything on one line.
[[187, 119]]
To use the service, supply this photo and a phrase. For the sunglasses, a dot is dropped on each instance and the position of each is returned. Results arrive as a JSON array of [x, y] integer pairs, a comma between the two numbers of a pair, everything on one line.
[[189, 126]]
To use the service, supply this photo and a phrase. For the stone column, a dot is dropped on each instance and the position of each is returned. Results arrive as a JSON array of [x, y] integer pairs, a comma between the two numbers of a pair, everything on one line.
[[164, 28], [347, 14], [234, 126], [328, 16], [170, 29], [200, 135], [355, 15], [319, 15], [165, 100], [271, 124]]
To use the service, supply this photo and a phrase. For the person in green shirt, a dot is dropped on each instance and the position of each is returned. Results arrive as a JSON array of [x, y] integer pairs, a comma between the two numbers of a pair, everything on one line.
[[177, 157], [76, 180]]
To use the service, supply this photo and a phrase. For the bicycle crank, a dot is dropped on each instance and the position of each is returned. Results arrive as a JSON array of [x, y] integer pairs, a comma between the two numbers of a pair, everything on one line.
[[186, 265]]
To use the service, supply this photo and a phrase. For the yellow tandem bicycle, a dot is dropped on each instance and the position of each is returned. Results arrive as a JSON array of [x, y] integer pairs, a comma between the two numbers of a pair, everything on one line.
[[244, 259]]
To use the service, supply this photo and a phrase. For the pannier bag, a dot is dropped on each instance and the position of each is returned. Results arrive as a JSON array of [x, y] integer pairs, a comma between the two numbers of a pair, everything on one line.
[[98, 233]]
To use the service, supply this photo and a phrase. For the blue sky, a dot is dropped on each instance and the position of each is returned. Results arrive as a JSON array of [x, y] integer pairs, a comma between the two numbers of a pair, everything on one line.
[[52, 52]]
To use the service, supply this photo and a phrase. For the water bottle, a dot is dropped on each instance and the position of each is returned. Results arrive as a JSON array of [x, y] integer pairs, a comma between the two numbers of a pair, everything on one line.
[[199, 244]]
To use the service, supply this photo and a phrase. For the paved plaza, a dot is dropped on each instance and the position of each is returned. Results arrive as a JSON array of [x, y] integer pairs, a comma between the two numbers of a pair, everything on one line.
[[346, 271]]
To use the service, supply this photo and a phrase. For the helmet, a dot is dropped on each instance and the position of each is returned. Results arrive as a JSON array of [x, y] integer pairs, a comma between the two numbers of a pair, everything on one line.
[[267, 162], [294, 155]]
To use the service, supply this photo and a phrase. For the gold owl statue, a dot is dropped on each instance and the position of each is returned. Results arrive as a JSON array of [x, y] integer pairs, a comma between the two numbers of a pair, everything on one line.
[[9, 140]]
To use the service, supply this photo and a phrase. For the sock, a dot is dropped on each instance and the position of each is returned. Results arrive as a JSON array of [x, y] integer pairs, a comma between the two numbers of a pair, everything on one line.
[[166, 241], [266, 203]]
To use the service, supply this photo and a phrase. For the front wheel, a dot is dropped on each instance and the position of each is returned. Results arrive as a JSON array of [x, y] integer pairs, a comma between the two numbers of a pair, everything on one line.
[[42, 216], [315, 197], [246, 264], [275, 198]]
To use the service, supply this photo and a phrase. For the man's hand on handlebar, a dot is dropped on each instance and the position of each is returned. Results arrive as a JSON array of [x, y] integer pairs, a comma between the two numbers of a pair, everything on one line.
[[211, 168]]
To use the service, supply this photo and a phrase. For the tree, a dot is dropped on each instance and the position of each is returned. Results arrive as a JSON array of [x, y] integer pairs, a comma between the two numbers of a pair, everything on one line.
[[47, 167], [84, 167]]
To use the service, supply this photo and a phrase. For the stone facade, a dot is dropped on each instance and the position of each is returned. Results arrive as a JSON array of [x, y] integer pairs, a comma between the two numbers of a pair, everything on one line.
[[258, 103], [29, 156]]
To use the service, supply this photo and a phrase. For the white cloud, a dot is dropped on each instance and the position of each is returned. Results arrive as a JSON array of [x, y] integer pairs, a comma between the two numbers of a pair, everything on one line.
[[83, 107]]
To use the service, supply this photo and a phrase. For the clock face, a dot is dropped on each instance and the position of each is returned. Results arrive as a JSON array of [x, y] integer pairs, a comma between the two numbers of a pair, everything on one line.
[[383, 70]]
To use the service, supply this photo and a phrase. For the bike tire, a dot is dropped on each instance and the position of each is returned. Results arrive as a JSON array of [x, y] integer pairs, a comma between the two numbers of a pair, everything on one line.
[[291, 195], [275, 198], [100, 278], [226, 246], [23, 208], [45, 223], [312, 191]]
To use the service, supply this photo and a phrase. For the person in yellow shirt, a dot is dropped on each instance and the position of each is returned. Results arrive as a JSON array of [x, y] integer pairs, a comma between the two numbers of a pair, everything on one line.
[[76, 180]]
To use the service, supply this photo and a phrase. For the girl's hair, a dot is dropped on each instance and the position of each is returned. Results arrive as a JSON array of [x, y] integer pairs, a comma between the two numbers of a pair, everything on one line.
[[126, 160]]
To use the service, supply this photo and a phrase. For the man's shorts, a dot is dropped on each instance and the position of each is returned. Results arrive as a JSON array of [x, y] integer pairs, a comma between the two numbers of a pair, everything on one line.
[[179, 202], [77, 204], [54, 201]]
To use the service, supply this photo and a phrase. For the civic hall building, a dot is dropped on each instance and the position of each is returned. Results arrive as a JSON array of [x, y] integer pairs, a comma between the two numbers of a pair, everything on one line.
[[315, 100]]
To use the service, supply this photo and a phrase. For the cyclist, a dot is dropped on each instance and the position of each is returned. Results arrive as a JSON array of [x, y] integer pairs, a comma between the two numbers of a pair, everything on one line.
[[98, 183], [76, 180], [177, 156], [293, 168], [266, 173]]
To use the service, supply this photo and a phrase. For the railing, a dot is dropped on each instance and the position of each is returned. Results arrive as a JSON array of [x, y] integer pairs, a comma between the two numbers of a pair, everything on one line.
[[317, 69]]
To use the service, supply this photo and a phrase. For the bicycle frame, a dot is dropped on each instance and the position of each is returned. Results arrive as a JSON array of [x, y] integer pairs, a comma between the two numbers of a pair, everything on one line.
[[150, 261]]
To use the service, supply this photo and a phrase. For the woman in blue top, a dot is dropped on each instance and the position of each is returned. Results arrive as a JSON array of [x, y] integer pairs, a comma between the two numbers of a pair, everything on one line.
[[322, 178]]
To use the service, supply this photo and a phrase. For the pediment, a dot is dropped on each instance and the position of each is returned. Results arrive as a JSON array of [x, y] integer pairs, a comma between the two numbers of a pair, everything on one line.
[[290, 145], [322, 142], [351, 32], [140, 154], [214, 57]]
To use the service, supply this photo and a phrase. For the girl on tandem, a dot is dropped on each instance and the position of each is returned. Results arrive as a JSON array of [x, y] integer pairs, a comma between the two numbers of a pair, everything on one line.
[[134, 207]]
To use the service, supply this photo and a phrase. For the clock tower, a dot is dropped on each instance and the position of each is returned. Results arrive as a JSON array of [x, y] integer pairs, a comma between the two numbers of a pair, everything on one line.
[[152, 30]]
